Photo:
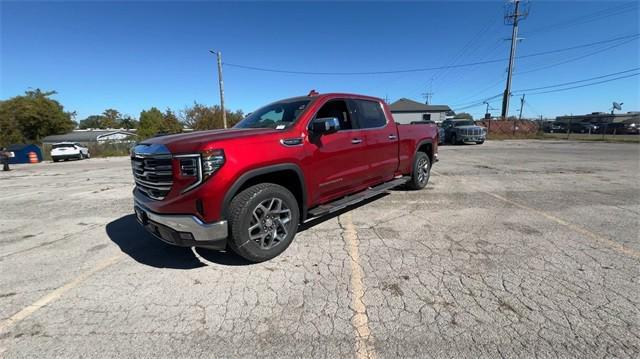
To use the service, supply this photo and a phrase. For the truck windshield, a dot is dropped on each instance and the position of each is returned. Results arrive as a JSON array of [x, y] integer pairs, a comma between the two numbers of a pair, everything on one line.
[[464, 123], [278, 115]]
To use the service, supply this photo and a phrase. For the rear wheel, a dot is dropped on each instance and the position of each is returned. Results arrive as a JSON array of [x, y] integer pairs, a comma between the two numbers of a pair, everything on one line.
[[263, 219], [421, 171]]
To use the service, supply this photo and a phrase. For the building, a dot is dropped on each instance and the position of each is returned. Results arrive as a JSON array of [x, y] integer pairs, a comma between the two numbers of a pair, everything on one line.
[[87, 137], [602, 117], [21, 153], [407, 111]]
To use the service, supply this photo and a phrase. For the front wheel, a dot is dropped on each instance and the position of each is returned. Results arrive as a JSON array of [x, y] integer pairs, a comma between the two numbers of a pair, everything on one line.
[[479, 142], [263, 219], [454, 140], [421, 171]]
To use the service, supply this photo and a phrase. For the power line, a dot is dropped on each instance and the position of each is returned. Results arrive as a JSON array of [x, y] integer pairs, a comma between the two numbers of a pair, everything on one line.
[[586, 18], [256, 68], [544, 67], [585, 85], [578, 81], [574, 58], [520, 92]]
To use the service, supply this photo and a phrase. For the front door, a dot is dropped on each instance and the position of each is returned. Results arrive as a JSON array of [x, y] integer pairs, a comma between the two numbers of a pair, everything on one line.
[[338, 164]]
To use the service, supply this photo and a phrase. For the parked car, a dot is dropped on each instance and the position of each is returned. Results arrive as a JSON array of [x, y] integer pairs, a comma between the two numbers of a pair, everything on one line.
[[68, 150], [441, 135], [619, 128], [460, 131], [251, 186], [583, 127], [555, 127]]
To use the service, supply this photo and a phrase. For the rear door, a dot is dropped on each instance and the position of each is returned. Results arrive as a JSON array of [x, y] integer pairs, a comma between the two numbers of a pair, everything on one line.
[[337, 161], [381, 139]]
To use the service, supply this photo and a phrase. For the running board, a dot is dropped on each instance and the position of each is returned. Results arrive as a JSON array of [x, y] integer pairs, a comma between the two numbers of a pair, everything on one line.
[[355, 198]]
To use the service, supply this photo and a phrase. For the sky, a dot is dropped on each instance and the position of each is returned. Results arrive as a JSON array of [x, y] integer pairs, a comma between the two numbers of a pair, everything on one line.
[[134, 55]]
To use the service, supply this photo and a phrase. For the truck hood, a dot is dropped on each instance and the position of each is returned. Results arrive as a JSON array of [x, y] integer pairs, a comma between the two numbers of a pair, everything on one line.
[[193, 141]]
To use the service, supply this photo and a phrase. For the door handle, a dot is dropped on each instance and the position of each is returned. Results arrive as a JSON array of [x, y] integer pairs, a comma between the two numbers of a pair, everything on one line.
[[356, 141], [392, 137]]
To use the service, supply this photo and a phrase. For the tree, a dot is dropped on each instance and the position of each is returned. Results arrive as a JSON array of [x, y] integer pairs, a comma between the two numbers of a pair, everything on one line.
[[128, 122], [170, 123], [154, 122], [463, 115], [93, 121], [31, 117], [111, 118], [201, 117]]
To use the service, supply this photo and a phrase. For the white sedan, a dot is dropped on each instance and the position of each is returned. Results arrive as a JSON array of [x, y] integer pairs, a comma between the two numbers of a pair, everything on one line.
[[66, 150]]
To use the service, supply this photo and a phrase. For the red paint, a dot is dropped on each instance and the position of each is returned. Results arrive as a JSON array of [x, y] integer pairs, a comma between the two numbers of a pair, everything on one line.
[[332, 167]]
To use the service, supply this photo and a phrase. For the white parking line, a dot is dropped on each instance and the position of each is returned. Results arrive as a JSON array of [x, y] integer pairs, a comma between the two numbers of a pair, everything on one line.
[[57, 293]]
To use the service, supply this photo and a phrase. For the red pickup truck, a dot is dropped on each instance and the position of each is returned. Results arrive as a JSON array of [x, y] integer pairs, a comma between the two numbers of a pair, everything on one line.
[[250, 187]]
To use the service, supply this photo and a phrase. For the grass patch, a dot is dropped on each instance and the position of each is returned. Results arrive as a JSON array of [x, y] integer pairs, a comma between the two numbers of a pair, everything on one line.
[[563, 136], [592, 137]]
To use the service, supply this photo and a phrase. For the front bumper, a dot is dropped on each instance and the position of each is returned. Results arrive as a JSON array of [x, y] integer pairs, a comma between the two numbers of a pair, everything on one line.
[[65, 156], [472, 138], [182, 230]]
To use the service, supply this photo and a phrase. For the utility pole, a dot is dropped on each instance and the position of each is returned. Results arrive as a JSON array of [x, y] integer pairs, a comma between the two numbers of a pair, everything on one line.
[[521, 105], [512, 18], [427, 96], [221, 84]]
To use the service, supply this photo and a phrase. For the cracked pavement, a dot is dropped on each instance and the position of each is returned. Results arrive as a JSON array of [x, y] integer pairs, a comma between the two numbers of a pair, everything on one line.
[[515, 249]]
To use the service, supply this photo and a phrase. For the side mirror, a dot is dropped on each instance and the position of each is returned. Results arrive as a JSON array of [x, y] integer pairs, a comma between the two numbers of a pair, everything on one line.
[[325, 125]]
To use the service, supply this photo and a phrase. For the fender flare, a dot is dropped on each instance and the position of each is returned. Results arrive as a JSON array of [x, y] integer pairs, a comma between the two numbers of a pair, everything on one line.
[[240, 181], [424, 142]]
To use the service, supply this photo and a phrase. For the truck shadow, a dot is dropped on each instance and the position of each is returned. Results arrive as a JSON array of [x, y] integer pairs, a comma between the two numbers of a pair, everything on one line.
[[146, 249]]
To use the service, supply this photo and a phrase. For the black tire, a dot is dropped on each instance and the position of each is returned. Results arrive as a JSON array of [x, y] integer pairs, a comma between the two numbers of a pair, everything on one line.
[[241, 216], [453, 139], [55, 160], [420, 175], [479, 142]]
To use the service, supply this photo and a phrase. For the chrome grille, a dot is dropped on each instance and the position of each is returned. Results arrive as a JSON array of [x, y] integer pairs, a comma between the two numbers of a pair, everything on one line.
[[153, 174], [473, 131]]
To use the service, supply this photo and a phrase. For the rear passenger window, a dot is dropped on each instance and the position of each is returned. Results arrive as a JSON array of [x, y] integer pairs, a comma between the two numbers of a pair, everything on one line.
[[370, 114]]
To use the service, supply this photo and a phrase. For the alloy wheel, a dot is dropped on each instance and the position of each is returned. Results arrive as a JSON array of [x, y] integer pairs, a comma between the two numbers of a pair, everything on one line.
[[423, 170], [270, 223]]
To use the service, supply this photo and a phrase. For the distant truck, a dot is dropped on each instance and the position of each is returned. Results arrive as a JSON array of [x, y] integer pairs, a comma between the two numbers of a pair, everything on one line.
[[460, 131], [250, 187]]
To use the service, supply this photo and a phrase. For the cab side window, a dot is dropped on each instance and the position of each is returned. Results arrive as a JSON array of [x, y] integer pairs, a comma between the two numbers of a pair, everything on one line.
[[338, 109], [370, 114]]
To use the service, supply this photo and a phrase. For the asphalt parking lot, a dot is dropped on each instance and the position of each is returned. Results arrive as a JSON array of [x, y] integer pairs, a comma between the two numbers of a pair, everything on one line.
[[515, 249]]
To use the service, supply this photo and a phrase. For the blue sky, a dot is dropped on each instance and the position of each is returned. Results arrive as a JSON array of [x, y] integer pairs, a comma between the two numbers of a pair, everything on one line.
[[134, 55]]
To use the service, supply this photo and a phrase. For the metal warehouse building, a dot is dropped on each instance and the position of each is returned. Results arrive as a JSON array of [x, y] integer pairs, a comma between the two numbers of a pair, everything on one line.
[[87, 137], [406, 111], [602, 117]]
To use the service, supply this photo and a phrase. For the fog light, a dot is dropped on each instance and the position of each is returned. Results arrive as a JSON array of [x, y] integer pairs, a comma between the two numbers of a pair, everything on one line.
[[186, 235]]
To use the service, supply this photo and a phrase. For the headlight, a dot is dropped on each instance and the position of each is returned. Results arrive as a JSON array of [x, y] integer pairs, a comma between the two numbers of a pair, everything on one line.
[[200, 166], [212, 160]]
